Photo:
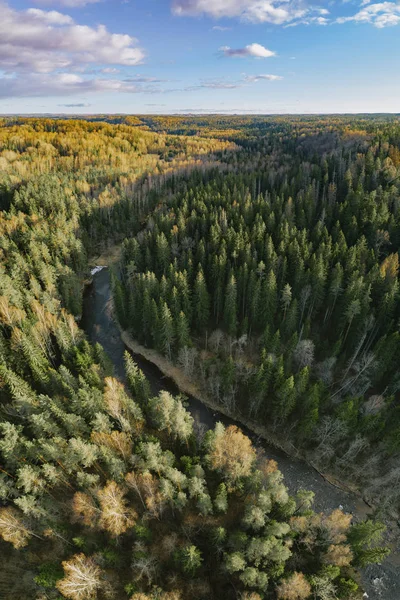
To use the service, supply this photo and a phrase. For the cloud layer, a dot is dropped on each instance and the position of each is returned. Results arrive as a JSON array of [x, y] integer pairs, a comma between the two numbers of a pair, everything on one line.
[[383, 14], [223, 84], [42, 51], [252, 50], [44, 41], [256, 78], [65, 84], [255, 11], [287, 12]]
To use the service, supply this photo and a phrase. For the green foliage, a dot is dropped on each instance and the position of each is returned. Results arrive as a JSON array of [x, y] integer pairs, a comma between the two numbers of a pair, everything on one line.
[[190, 559], [286, 284], [49, 574], [364, 539], [277, 274], [130, 588], [201, 302], [221, 499], [347, 588], [142, 532], [111, 557]]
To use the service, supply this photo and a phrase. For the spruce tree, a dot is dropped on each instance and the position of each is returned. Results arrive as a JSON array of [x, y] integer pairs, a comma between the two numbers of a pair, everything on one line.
[[230, 308], [201, 303], [166, 331]]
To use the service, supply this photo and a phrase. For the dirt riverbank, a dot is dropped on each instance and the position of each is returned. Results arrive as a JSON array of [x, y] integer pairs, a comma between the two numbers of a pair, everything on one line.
[[190, 387]]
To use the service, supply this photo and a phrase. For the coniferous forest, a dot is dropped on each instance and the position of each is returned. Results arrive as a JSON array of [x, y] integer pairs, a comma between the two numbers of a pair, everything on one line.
[[260, 256]]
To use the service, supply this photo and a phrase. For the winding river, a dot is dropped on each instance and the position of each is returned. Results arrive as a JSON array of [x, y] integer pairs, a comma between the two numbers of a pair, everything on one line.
[[382, 582]]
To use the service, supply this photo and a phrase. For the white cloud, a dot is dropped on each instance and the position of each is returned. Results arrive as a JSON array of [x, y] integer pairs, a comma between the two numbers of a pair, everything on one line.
[[309, 21], [219, 28], [65, 84], [319, 20], [44, 41], [252, 50], [255, 78], [214, 8], [277, 12], [110, 70], [223, 84], [383, 14], [51, 17], [38, 46], [215, 84]]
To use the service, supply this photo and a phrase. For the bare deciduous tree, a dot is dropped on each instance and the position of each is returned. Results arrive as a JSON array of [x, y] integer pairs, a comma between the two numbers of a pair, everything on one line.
[[84, 509], [116, 517], [216, 340], [231, 452], [304, 354], [82, 578], [339, 555], [324, 370], [374, 404], [12, 528], [118, 441], [187, 359], [295, 587], [145, 566]]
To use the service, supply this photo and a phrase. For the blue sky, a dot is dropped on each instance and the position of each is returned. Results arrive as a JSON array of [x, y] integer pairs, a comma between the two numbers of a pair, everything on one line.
[[173, 56]]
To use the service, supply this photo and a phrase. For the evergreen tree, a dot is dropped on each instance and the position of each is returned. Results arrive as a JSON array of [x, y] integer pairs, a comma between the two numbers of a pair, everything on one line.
[[201, 303], [182, 331], [230, 309], [166, 333]]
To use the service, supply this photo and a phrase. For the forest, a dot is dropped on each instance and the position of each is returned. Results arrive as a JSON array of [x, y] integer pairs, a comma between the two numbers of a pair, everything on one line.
[[261, 256], [276, 286]]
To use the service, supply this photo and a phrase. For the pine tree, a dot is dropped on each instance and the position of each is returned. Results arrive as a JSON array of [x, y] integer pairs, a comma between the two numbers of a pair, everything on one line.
[[155, 325], [269, 299], [286, 299], [163, 253], [182, 332], [364, 539], [201, 303], [230, 308], [137, 382], [190, 558], [310, 410], [166, 330], [285, 399]]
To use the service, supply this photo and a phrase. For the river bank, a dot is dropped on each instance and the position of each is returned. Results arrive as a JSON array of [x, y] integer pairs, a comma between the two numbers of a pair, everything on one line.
[[381, 582], [188, 386]]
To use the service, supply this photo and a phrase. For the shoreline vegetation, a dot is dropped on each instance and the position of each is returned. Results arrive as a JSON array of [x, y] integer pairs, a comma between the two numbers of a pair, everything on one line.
[[279, 294], [187, 387], [365, 507], [109, 259]]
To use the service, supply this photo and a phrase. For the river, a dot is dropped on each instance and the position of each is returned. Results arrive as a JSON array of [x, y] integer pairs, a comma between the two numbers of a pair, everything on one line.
[[382, 582]]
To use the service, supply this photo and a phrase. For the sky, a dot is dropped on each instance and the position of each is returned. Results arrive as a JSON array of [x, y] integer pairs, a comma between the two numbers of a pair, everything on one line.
[[199, 56]]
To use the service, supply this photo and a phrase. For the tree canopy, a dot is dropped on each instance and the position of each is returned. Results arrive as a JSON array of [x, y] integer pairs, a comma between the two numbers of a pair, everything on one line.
[[259, 254]]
